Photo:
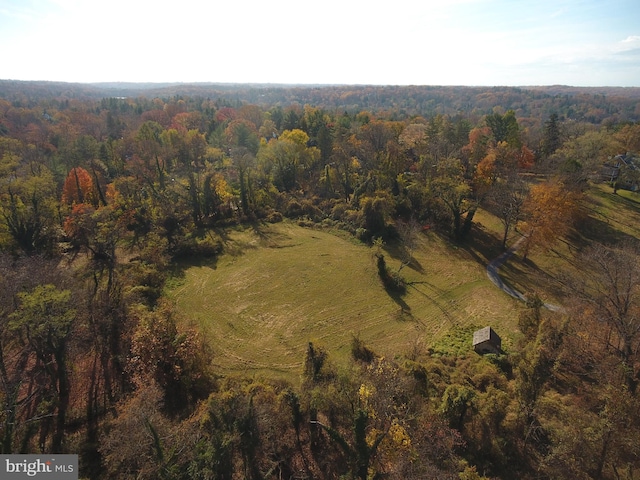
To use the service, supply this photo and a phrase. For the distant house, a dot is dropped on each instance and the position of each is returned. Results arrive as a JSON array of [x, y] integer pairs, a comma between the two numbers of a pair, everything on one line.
[[623, 171], [486, 340]]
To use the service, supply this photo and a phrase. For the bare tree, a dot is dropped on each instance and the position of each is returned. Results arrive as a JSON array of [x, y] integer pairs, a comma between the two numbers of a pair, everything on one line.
[[508, 199], [409, 233], [609, 291]]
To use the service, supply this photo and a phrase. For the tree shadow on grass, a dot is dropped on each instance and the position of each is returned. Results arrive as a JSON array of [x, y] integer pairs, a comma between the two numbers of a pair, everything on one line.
[[405, 309], [481, 245], [268, 237], [177, 268], [179, 265], [527, 277], [630, 202], [598, 229], [398, 252]]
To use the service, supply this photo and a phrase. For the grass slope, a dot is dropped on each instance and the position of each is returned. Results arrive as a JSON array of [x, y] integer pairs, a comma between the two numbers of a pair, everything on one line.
[[279, 286], [609, 218]]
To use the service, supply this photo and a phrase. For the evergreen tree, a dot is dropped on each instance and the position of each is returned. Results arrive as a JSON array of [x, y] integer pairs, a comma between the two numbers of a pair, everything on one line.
[[551, 136]]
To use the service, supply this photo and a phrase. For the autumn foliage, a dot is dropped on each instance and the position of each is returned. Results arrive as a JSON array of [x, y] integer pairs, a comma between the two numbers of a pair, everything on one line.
[[551, 210], [78, 188], [103, 200]]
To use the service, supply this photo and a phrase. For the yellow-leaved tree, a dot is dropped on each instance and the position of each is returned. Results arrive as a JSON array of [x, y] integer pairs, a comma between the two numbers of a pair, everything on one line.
[[287, 158]]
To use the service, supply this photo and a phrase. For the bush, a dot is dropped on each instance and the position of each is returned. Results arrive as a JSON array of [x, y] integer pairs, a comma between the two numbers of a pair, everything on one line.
[[360, 352], [204, 247], [274, 217], [293, 209], [392, 281], [328, 223], [304, 208], [363, 235], [338, 211]]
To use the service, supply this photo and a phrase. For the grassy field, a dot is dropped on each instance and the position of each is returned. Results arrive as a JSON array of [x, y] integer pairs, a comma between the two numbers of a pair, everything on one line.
[[609, 218], [279, 286]]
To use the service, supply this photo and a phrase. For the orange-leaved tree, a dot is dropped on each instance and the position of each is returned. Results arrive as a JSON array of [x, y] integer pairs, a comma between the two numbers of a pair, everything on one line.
[[550, 211], [78, 188]]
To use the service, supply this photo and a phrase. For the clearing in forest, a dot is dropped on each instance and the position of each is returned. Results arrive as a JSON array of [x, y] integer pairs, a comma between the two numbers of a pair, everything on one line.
[[279, 286]]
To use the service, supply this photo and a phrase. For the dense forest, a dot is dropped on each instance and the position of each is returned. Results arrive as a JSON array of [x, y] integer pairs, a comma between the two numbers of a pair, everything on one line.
[[105, 188]]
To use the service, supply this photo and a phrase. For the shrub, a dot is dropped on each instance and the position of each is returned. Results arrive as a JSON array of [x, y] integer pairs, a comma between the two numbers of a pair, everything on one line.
[[328, 223], [274, 217], [360, 352], [391, 280], [338, 211], [303, 208], [312, 211], [205, 247], [293, 209], [363, 235]]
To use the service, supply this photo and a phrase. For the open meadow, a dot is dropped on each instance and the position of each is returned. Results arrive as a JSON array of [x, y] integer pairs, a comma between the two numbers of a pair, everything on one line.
[[279, 286]]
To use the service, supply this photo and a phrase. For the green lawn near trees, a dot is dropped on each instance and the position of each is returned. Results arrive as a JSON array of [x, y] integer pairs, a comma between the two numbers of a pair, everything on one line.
[[279, 286]]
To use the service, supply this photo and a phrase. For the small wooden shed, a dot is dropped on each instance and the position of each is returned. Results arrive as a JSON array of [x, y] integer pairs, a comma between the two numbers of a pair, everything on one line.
[[486, 340]]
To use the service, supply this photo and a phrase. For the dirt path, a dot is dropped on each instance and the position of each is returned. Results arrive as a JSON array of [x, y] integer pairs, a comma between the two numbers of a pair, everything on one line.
[[492, 273]]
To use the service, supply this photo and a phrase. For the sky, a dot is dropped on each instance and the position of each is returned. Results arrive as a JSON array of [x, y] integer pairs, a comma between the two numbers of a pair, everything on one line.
[[388, 42]]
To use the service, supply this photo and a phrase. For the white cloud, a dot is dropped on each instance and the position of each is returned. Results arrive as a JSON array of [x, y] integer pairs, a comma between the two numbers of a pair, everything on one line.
[[632, 42]]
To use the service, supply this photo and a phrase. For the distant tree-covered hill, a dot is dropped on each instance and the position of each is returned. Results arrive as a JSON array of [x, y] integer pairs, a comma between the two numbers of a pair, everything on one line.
[[585, 104]]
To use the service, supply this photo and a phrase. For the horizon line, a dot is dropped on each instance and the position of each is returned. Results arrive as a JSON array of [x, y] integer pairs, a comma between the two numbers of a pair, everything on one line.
[[114, 84]]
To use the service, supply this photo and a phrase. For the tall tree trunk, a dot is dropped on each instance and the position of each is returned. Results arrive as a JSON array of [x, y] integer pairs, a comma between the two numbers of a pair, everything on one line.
[[63, 399], [468, 222]]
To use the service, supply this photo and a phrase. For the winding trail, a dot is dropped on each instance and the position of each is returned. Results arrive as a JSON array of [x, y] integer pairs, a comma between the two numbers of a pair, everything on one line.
[[492, 273]]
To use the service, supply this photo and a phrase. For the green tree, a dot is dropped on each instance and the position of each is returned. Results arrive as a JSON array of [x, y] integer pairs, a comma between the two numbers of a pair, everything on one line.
[[551, 139], [98, 232], [505, 128], [189, 151], [241, 133], [344, 161], [286, 158], [24, 387], [28, 209], [535, 370], [456, 402], [44, 320], [244, 145], [374, 211], [150, 149], [453, 190], [580, 158]]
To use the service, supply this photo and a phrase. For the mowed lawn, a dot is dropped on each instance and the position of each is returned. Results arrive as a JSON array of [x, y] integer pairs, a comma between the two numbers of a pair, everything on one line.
[[278, 287]]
